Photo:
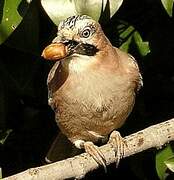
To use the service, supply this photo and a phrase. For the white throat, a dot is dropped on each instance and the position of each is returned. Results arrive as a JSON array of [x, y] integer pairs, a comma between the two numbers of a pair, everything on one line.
[[77, 63]]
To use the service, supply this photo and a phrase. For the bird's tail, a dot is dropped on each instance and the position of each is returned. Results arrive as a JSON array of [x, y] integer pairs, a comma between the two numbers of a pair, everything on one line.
[[61, 149]]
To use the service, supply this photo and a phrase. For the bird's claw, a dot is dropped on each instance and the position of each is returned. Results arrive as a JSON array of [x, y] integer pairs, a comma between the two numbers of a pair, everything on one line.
[[118, 144], [97, 155]]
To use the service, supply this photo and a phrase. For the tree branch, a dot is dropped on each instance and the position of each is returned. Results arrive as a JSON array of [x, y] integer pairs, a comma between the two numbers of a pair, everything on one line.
[[76, 167]]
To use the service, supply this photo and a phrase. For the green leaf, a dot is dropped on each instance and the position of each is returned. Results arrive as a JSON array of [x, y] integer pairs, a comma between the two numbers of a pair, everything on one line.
[[114, 5], [60, 10], [129, 36], [91, 8], [143, 46], [27, 33], [4, 135], [168, 5], [161, 157], [94, 8], [10, 17], [0, 173], [170, 163], [125, 34]]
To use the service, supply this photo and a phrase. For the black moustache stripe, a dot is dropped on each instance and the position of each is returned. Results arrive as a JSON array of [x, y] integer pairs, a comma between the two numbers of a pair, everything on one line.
[[86, 49]]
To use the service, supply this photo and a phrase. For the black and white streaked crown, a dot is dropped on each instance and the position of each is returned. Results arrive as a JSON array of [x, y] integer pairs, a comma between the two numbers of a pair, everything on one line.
[[70, 22]]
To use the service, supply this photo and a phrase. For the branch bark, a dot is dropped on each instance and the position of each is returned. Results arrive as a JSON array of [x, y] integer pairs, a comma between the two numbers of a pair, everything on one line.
[[76, 167]]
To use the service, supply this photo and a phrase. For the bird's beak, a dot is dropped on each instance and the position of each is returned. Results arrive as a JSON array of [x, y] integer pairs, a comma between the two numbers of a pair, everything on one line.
[[60, 49]]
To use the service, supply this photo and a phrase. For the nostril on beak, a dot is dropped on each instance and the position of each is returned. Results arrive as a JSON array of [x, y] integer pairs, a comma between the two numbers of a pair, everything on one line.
[[56, 39]]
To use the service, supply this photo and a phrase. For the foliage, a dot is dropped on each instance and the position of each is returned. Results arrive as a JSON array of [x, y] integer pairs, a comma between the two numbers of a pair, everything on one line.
[[59, 10], [11, 15], [4, 135], [0, 173], [143, 29], [168, 5], [129, 35], [170, 163], [164, 160]]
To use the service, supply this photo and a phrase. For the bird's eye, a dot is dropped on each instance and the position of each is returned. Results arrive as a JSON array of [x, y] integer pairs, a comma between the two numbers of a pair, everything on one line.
[[86, 33]]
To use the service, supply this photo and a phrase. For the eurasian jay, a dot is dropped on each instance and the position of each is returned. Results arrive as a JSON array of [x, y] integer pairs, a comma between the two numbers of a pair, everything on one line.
[[92, 86]]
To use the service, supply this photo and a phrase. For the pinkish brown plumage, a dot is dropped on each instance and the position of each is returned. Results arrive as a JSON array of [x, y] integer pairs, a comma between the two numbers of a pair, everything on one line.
[[92, 90]]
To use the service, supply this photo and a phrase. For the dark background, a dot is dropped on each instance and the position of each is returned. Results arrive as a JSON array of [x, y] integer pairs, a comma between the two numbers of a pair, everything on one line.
[[23, 92]]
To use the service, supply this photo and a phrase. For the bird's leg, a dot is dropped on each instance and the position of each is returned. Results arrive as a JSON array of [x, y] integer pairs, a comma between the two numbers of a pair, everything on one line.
[[92, 150], [118, 144], [97, 155]]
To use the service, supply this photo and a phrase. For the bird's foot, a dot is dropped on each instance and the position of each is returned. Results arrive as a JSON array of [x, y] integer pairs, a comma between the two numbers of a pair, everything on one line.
[[94, 151], [118, 144]]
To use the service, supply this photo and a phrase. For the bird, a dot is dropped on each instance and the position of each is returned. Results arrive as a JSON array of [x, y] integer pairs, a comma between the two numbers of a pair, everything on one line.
[[91, 87]]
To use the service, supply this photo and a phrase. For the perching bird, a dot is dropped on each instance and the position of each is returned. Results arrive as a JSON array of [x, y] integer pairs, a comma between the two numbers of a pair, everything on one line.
[[92, 88]]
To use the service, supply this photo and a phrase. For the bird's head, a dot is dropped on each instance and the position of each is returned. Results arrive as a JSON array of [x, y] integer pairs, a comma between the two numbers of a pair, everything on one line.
[[81, 34], [83, 42]]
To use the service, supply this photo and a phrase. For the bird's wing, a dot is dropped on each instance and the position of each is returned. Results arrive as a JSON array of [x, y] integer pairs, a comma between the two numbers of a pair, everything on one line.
[[124, 57], [53, 78], [61, 149], [140, 80], [52, 73]]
